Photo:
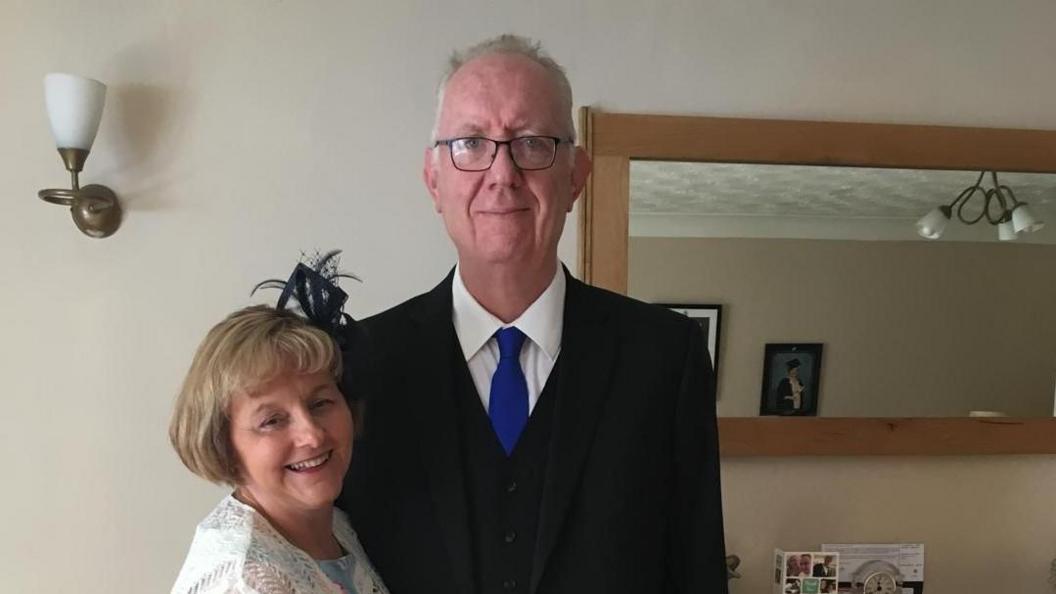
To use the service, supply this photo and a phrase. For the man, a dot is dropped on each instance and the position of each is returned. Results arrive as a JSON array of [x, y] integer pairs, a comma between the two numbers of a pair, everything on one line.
[[804, 566], [525, 432], [825, 568]]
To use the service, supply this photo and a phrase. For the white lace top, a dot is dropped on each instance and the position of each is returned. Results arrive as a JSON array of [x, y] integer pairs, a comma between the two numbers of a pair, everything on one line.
[[235, 550]]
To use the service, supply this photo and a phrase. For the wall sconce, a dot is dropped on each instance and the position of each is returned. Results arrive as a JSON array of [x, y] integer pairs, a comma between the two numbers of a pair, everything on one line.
[[75, 106], [1011, 218]]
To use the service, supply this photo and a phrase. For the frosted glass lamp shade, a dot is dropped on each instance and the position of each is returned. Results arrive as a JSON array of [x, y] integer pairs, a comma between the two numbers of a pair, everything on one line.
[[1024, 220], [931, 225], [1005, 231], [75, 106]]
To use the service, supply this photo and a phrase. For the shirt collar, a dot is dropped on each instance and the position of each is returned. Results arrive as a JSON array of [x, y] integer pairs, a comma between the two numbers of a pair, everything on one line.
[[542, 322]]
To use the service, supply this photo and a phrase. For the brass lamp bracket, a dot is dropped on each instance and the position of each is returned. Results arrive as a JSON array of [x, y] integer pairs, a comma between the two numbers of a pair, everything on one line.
[[94, 208]]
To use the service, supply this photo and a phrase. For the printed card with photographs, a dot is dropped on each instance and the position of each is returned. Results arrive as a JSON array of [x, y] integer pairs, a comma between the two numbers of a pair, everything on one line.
[[880, 567], [806, 572]]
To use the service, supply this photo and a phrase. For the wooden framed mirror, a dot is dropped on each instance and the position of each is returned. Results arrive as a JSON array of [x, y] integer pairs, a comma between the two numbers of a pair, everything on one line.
[[616, 140]]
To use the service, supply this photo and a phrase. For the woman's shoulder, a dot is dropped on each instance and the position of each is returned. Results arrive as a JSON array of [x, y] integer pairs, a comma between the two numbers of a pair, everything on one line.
[[218, 550], [234, 550], [229, 514], [227, 529]]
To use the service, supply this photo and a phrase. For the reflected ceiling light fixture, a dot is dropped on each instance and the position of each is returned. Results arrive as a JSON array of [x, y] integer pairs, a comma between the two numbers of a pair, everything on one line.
[[1000, 209], [75, 106]]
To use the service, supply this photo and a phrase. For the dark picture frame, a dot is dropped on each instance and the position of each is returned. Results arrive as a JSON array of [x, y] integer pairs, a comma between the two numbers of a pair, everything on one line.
[[791, 379], [709, 317]]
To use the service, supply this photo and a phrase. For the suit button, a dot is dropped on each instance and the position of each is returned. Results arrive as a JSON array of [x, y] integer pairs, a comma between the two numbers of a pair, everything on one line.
[[511, 487], [509, 584], [510, 536]]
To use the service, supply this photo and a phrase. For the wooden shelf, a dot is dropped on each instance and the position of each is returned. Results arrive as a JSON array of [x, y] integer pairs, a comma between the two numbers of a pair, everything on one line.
[[814, 436]]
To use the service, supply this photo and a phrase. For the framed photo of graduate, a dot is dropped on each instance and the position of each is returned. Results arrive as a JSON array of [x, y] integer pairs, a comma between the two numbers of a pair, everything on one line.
[[709, 317], [791, 378]]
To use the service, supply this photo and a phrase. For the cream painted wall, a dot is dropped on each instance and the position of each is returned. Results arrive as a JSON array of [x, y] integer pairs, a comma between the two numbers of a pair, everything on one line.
[[240, 132], [910, 328]]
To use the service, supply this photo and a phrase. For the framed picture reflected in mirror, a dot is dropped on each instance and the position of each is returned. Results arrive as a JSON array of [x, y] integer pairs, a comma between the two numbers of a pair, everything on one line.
[[791, 379]]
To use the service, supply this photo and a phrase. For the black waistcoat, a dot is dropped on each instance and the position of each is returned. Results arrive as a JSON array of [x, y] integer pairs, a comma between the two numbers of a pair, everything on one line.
[[503, 492]]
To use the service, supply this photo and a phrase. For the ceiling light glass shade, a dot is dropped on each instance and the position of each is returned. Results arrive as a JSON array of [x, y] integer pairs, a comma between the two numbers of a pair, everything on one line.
[[75, 106], [931, 225], [1006, 232], [1024, 221]]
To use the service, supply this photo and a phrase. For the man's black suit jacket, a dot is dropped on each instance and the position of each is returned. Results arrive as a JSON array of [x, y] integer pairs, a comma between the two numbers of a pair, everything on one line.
[[631, 500]]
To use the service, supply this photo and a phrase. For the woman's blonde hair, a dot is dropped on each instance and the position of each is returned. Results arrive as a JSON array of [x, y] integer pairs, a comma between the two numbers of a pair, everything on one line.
[[247, 349]]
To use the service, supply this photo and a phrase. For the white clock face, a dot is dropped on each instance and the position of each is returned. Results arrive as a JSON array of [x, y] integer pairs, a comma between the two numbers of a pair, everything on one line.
[[880, 583]]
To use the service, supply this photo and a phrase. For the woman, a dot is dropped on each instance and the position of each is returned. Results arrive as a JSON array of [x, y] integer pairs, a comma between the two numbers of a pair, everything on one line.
[[260, 411]]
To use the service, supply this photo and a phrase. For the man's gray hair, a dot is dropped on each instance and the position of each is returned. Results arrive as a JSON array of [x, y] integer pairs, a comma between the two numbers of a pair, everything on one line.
[[507, 44]]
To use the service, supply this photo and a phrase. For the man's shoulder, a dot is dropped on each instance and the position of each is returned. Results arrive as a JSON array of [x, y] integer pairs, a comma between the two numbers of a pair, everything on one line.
[[388, 331], [400, 314], [630, 313], [632, 316]]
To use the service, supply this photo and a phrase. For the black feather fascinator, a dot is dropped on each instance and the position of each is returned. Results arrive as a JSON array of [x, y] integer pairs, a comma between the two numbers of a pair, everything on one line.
[[313, 286]]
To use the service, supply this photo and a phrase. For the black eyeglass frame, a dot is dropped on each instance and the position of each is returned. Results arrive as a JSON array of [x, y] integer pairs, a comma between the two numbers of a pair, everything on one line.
[[558, 141]]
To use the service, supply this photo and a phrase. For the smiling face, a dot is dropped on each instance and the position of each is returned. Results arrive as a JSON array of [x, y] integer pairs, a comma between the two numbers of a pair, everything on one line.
[[505, 215], [292, 437]]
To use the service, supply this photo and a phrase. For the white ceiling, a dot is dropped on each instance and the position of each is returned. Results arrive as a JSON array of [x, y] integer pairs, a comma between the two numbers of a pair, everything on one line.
[[743, 189], [678, 199]]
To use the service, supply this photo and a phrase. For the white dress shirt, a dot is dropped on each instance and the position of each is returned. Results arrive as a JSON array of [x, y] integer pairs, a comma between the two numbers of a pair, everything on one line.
[[542, 323]]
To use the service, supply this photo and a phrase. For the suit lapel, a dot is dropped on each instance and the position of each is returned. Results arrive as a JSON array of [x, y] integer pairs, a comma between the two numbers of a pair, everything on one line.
[[438, 423], [588, 356]]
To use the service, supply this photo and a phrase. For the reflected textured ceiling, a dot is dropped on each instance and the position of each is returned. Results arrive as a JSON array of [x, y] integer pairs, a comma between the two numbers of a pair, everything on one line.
[[845, 192]]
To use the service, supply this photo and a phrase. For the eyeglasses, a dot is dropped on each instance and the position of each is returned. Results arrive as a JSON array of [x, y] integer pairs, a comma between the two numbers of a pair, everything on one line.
[[476, 153]]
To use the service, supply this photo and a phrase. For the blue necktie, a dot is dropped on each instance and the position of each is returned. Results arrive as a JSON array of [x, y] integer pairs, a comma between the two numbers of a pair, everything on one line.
[[508, 406]]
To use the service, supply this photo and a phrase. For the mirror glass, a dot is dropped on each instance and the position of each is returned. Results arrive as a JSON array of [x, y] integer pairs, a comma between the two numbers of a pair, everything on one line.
[[811, 255]]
